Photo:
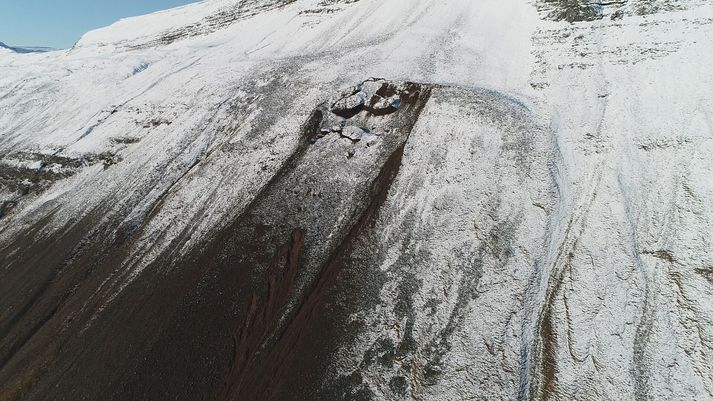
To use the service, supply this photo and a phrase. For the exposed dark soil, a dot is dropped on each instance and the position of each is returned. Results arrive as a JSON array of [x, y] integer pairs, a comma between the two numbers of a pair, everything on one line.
[[247, 315]]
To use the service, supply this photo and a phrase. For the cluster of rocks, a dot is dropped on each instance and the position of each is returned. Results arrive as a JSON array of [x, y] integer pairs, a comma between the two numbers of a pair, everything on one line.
[[349, 116]]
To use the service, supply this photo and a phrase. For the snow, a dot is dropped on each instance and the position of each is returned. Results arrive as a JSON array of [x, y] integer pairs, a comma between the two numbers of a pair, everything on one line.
[[621, 111]]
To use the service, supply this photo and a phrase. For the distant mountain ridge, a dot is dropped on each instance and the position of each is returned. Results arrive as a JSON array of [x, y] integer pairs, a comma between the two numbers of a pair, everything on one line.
[[29, 49]]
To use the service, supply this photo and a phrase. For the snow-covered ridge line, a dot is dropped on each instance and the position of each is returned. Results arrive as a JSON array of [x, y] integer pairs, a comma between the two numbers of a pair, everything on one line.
[[166, 27]]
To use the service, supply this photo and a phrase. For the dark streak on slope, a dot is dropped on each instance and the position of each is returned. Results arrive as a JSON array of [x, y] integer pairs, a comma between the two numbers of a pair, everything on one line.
[[43, 284], [265, 382], [543, 383], [59, 321], [247, 299], [263, 376], [548, 339]]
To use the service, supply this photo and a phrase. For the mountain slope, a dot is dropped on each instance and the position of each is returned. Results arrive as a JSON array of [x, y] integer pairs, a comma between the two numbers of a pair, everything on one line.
[[362, 200]]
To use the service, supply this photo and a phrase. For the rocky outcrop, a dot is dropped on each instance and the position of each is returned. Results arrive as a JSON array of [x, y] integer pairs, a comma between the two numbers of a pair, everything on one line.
[[591, 10]]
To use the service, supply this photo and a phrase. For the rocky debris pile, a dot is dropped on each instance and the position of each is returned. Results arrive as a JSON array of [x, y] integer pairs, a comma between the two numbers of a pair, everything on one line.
[[375, 95], [352, 117]]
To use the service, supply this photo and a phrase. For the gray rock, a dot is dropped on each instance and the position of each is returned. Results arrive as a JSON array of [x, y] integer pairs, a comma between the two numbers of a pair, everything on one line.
[[353, 133]]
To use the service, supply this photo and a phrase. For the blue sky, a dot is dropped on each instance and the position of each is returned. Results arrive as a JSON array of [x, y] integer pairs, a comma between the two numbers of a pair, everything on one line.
[[60, 23]]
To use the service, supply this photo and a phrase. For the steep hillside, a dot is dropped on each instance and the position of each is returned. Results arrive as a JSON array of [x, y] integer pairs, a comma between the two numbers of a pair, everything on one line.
[[362, 200]]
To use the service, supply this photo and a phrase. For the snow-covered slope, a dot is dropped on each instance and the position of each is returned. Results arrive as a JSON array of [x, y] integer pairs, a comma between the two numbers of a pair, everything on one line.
[[357, 200]]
